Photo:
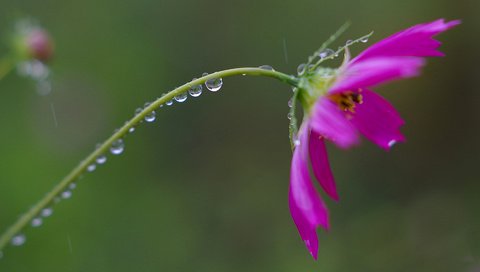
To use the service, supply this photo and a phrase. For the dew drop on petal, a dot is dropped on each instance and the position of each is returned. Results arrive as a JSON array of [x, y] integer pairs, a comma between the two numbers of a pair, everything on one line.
[[102, 158], [214, 84], [391, 143], [150, 117], [181, 97], [37, 222], [267, 67], [47, 212], [91, 167], [19, 240], [117, 147], [301, 69]]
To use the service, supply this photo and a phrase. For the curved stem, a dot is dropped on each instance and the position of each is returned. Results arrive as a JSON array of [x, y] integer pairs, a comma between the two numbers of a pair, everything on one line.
[[48, 199]]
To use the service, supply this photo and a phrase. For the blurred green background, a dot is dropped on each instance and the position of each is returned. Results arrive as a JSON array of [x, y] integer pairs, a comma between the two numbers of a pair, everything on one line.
[[204, 188]]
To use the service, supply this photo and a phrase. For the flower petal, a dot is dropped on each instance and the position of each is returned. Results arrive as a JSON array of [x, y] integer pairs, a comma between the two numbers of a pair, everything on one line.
[[414, 41], [321, 166], [375, 71], [378, 120], [307, 208], [331, 122]]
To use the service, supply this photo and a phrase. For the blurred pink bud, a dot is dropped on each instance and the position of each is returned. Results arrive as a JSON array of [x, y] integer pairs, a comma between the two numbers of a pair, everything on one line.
[[39, 44]]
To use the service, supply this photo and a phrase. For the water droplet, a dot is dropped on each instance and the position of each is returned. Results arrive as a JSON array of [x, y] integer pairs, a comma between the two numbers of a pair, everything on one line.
[[47, 212], [19, 240], [290, 102], [117, 147], [138, 111], [72, 186], [101, 159], [150, 117], [66, 194], [181, 97], [91, 167], [37, 222], [296, 142], [391, 143], [169, 102], [214, 84], [267, 67], [349, 42], [132, 129], [204, 74], [195, 91], [289, 116], [326, 53], [364, 40], [301, 69]]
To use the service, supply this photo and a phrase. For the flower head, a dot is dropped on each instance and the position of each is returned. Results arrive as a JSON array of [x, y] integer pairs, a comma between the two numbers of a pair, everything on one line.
[[31, 41], [339, 106]]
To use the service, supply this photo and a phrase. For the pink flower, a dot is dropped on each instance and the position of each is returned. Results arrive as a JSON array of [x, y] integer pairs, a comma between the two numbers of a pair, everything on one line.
[[342, 106]]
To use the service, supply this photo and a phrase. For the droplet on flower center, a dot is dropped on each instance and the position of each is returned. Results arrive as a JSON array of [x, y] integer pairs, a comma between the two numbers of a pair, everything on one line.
[[347, 101]]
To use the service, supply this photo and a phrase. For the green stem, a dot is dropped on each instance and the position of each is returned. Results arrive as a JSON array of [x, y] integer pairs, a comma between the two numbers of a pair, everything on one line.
[[48, 199]]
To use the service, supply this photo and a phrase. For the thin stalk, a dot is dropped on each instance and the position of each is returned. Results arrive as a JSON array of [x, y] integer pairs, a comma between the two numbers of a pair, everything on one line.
[[48, 199]]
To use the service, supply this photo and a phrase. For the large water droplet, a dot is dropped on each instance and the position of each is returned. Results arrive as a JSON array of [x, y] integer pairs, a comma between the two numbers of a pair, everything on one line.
[[181, 97], [67, 194], [91, 167], [267, 67], [37, 222], [301, 69], [19, 240], [101, 159], [150, 117], [326, 53], [364, 40], [214, 84], [195, 91], [117, 147], [47, 212]]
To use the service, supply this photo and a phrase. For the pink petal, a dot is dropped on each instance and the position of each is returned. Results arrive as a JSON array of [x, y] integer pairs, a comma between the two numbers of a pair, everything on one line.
[[321, 166], [307, 208], [331, 122], [378, 120], [375, 71], [414, 41]]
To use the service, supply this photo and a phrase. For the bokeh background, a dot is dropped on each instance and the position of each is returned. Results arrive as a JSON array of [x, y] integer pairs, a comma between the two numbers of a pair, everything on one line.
[[204, 188]]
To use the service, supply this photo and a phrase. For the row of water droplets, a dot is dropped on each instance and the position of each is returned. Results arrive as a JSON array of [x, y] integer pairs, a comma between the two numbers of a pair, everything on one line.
[[325, 54], [37, 70]]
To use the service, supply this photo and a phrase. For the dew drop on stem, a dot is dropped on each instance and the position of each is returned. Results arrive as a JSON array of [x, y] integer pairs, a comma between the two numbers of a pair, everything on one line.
[[66, 194], [195, 91], [266, 67], [91, 167], [117, 147], [214, 84], [150, 117], [19, 239], [37, 222], [301, 69], [46, 212], [102, 158], [181, 97]]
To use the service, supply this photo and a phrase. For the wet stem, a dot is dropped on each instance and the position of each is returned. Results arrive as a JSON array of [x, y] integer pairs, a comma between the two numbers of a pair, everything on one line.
[[81, 168]]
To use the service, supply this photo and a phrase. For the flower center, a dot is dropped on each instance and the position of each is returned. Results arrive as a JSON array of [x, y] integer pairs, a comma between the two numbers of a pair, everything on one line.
[[347, 101]]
